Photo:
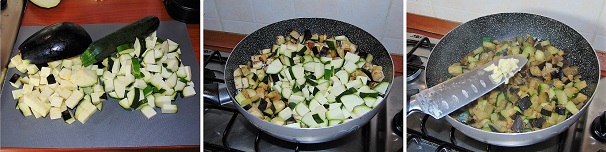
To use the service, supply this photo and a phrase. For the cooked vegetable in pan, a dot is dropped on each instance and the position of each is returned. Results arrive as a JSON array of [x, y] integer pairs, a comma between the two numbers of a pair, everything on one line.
[[310, 81], [544, 93]]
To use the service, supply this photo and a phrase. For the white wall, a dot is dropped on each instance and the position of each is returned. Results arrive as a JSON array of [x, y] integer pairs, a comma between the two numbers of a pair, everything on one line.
[[588, 17], [382, 18]]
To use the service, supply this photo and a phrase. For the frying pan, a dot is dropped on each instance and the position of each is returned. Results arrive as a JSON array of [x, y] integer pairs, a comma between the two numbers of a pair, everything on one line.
[[466, 37], [265, 37]]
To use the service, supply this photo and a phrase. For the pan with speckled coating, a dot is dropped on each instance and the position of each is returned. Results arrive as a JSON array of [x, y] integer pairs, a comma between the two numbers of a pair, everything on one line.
[[264, 38], [466, 37]]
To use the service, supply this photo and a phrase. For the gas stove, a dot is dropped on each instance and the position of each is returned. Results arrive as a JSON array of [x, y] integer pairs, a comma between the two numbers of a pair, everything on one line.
[[424, 133], [226, 130]]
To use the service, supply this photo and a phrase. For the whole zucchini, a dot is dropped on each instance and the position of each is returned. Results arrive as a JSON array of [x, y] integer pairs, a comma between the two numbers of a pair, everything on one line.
[[106, 46], [55, 42]]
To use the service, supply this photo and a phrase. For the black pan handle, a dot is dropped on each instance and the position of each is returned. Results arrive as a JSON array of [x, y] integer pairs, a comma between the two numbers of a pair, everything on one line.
[[216, 94]]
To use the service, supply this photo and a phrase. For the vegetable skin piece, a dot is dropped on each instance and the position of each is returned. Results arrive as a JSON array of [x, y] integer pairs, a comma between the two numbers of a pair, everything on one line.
[[55, 42], [518, 124], [51, 79], [66, 115], [537, 122], [524, 103], [106, 46], [15, 78]]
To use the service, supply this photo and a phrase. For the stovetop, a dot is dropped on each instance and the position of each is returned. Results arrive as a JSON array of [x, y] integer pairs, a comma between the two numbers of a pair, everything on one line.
[[226, 130], [427, 134]]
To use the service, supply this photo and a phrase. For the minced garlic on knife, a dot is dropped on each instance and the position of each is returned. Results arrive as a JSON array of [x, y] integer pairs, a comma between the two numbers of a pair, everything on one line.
[[504, 69]]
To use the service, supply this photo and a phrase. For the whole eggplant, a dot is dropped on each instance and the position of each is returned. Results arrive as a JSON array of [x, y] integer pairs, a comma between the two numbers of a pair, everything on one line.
[[55, 42]]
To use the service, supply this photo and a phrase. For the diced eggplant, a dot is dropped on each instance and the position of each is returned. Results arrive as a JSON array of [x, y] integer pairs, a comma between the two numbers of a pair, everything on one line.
[[15, 78], [324, 51], [103, 96], [315, 50], [560, 110], [545, 112], [571, 70], [274, 77], [248, 106], [263, 105], [515, 115], [518, 124], [51, 79], [66, 115], [524, 103], [537, 122], [306, 35]]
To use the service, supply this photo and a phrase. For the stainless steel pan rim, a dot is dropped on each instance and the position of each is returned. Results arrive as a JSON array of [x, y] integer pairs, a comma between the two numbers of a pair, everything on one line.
[[526, 138], [263, 38]]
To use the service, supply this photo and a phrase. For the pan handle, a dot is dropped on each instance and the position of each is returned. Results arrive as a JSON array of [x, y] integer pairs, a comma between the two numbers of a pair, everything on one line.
[[216, 94]]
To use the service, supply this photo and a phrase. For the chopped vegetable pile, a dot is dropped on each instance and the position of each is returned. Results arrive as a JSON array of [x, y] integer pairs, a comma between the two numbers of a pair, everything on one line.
[[310, 81], [143, 75], [544, 93]]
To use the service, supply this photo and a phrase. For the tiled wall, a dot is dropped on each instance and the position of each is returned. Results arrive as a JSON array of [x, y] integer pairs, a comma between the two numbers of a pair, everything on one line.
[[588, 17], [382, 18]]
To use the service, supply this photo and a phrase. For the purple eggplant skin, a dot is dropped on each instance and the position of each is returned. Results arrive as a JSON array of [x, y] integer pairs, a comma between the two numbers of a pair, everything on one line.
[[55, 42]]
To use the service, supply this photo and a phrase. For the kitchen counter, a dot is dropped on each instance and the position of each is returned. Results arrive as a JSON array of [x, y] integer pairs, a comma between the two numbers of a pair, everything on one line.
[[223, 41], [103, 12], [437, 28]]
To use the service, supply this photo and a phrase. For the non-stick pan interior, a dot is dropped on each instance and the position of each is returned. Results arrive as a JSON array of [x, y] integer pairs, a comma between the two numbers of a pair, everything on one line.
[[467, 37], [265, 37]]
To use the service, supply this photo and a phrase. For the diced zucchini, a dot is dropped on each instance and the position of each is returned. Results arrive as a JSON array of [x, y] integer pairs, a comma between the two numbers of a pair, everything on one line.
[[335, 114], [370, 101], [148, 111], [301, 108], [561, 95], [570, 106], [351, 101], [285, 113], [381, 87], [352, 57], [74, 98], [350, 67], [274, 67], [309, 120], [360, 110]]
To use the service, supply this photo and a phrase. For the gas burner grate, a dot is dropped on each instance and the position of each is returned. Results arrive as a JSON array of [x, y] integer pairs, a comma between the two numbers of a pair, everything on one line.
[[415, 66], [210, 76], [261, 135], [421, 139], [414, 62], [398, 123], [214, 56]]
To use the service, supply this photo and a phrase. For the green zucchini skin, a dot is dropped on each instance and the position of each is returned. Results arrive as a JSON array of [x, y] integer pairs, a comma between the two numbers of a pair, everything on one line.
[[55, 42], [106, 46]]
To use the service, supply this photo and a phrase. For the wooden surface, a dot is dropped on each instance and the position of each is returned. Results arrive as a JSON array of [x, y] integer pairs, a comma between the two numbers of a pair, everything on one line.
[[437, 28], [222, 41], [100, 12], [104, 11]]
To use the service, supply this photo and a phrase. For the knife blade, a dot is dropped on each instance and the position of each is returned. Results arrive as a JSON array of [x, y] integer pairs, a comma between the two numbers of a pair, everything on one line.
[[448, 96]]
